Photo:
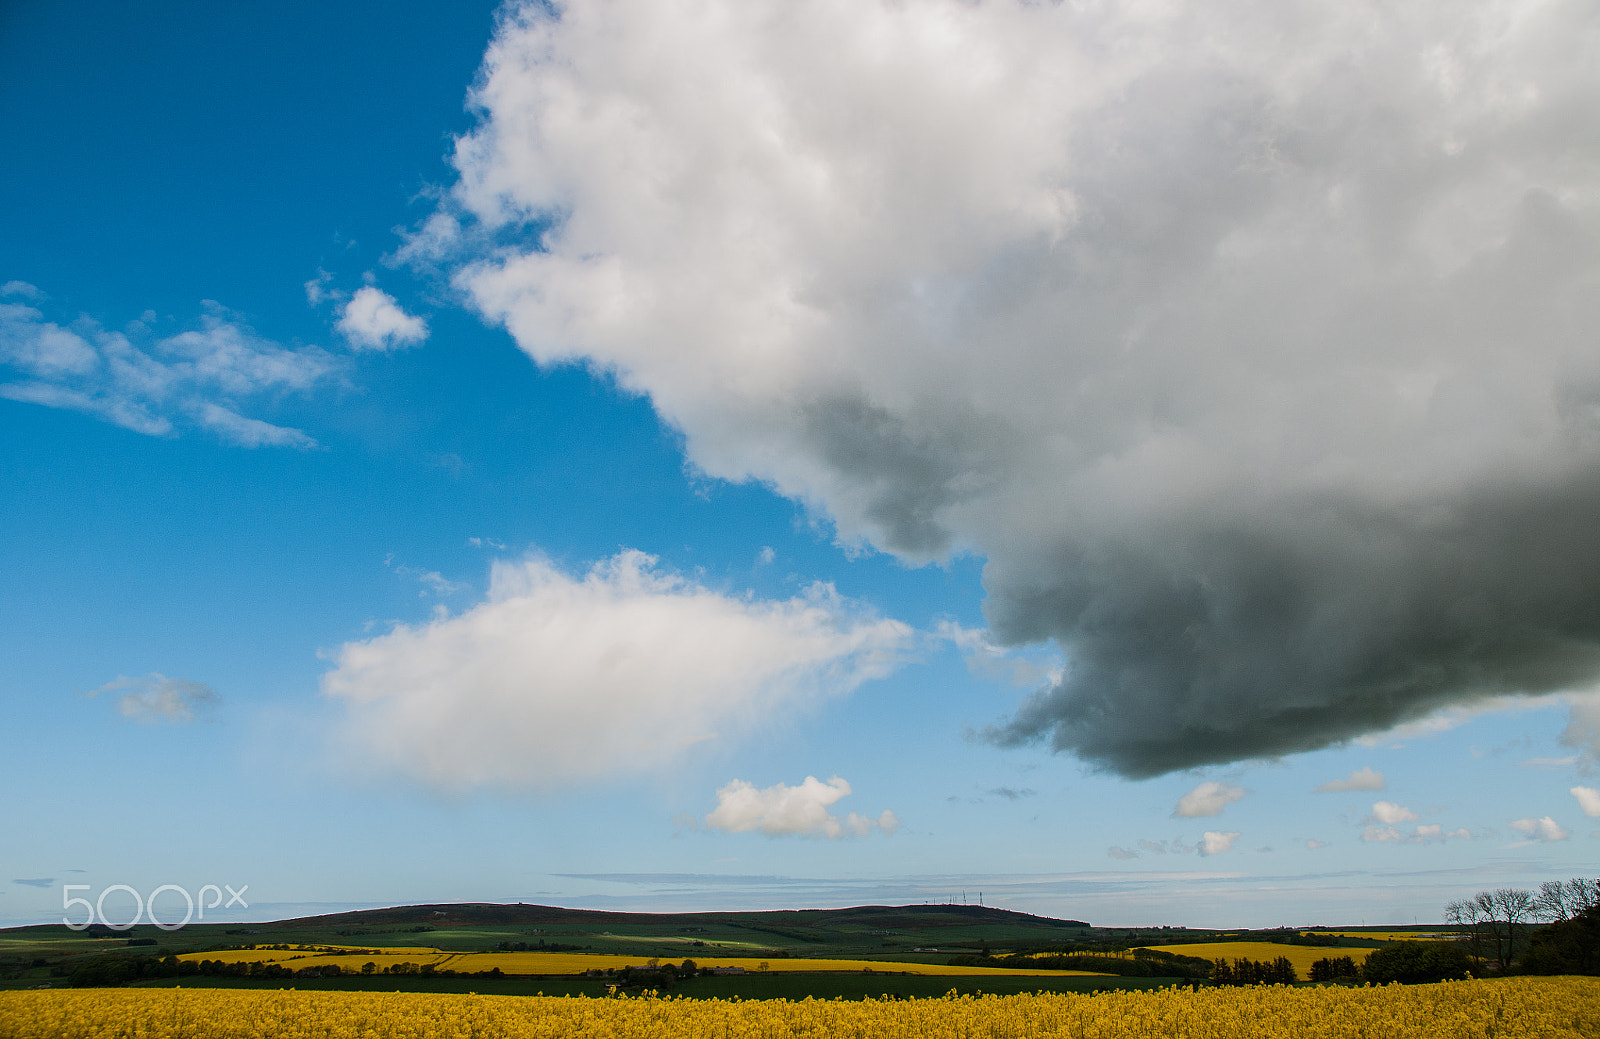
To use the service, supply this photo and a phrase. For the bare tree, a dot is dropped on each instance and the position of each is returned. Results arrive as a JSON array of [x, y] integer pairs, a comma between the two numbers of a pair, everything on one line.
[[1509, 909], [1467, 915], [1565, 899]]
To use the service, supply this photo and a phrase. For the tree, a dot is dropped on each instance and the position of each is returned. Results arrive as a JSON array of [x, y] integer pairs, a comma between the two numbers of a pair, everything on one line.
[[1570, 946], [1469, 915], [1493, 918], [1414, 962], [1564, 899], [1511, 909]]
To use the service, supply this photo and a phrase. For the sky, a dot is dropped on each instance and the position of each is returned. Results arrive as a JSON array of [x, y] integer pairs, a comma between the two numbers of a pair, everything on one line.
[[1136, 463]]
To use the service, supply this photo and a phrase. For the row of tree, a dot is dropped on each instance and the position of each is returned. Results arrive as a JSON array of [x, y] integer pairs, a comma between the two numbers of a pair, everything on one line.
[[1499, 924], [1253, 972]]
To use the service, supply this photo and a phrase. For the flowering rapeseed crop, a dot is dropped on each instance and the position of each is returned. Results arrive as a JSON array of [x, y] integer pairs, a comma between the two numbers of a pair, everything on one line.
[[1302, 956], [1516, 1008]]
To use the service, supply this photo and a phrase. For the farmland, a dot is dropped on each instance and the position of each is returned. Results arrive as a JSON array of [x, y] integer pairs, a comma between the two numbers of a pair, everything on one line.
[[1300, 956], [556, 963], [1517, 1008], [524, 949]]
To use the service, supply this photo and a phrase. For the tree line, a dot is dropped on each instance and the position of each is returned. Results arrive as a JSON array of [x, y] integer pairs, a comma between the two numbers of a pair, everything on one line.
[[1502, 927]]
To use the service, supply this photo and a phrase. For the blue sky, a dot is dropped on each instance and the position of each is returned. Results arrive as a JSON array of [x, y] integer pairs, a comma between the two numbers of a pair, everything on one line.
[[665, 456]]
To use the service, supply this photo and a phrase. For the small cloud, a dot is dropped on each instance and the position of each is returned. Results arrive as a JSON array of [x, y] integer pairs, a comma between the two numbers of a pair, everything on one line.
[[1546, 829], [1313, 844], [35, 881], [486, 543], [1173, 847], [792, 811], [1363, 778], [765, 556], [1010, 793], [1121, 853], [1588, 799], [25, 291], [155, 698], [1431, 833], [1390, 814], [431, 580], [373, 320], [1207, 799], [318, 291], [1214, 842]]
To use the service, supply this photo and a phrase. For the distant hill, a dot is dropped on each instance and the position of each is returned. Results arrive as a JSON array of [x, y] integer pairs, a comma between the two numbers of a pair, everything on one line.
[[490, 914]]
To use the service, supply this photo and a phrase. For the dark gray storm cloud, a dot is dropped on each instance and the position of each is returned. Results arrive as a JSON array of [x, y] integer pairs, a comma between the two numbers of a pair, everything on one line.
[[1255, 347]]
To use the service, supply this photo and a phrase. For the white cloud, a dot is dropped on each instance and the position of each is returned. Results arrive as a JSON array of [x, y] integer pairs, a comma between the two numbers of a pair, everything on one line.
[[555, 679], [155, 697], [1363, 778], [1209, 798], [1546, 829], [1242, 342], [1389, 813], [1313, 844], [1588, 800], [195, 377], [1214, 842], [1117, 852], [1383, 827], [792, 811], [373, 320]]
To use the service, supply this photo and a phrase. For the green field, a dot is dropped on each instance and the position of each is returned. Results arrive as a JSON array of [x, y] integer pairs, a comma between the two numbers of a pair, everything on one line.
[[927, 934]]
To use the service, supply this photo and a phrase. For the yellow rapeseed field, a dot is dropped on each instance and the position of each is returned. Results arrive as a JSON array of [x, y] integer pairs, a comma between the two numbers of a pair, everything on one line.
[[1392, 936], [1302, 956], [578, 962], [1516, 1008]]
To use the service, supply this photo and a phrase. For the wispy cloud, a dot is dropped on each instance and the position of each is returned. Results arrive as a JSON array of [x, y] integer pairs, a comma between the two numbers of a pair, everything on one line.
[[35, 881], [432, 581], [153, 384]]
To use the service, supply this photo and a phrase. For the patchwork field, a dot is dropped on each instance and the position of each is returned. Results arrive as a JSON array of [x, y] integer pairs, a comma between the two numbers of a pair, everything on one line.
[[1302, 956], [1515, 1008], [577, 962]]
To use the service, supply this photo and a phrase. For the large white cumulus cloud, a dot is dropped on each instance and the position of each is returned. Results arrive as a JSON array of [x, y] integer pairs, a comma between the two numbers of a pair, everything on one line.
[[1253, 344], [557, 679]]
